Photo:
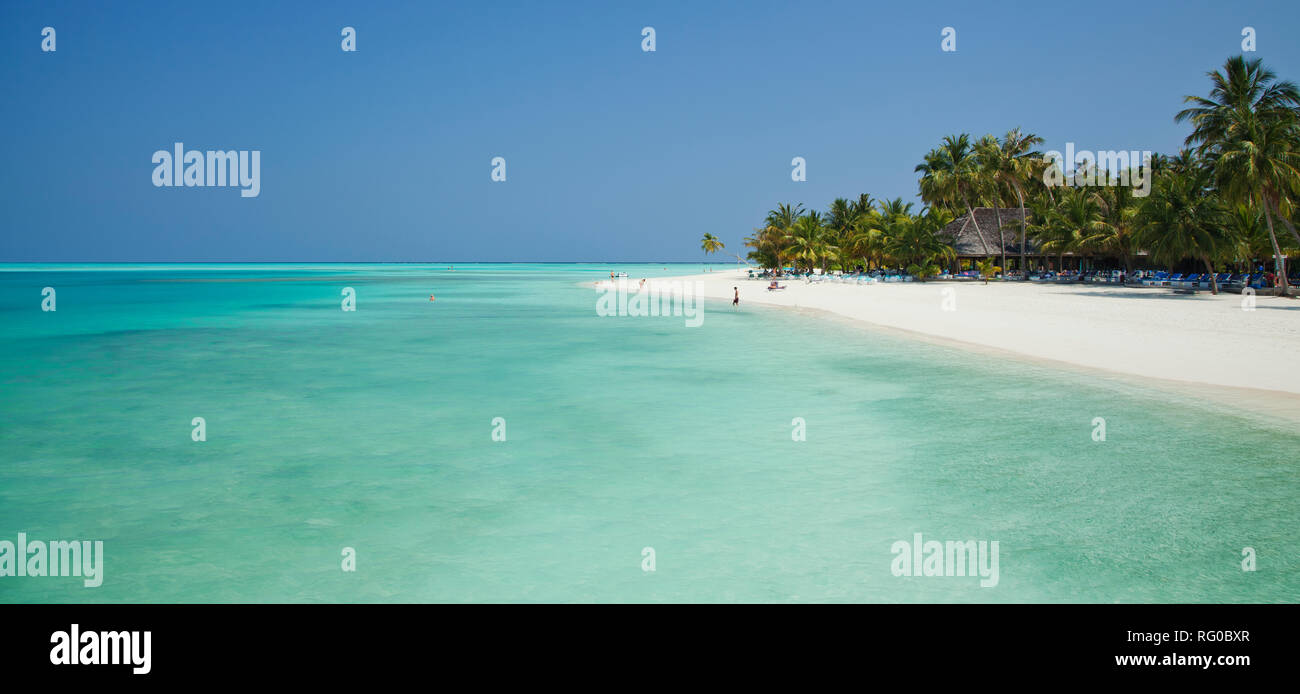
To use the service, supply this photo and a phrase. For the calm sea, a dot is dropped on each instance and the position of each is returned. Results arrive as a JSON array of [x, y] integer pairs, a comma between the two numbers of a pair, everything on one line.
[[373, 430]]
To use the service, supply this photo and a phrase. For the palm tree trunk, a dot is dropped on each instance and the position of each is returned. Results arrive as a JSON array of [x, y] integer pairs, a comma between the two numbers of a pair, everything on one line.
[[1002, 239], [1020, 196], [1214, 282], [1277, 250], [1290, 227], [974, 221]]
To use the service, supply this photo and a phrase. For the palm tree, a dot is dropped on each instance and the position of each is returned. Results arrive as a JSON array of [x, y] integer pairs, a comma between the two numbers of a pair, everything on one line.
[[1047, 228], [1286, 204], [840, 220], [1247, 132], [866, 241], [987, 269], [784, 216], [949, 174], [895, 208], [777, 229], [767, 244], [1079, 217], [936, 218], [863, 205], [913, 245], [711, 244], [1022, 165], [1062, 225], [1246, 225], [1181, 220], [991, 162], [806, 240], [1185, 162], [840, 215], [1114, 233]]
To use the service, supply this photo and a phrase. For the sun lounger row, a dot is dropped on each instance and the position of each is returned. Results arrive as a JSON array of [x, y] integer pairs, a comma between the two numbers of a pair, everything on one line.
[[1202, 281], [1067, 276], [1087, 276], [858, 278]]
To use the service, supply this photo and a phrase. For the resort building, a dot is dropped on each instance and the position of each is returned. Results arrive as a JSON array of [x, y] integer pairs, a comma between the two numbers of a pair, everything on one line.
[[974, 246]]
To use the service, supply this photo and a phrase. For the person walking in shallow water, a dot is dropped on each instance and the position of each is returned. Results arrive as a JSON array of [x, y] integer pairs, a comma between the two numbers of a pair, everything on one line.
[[736, 301]]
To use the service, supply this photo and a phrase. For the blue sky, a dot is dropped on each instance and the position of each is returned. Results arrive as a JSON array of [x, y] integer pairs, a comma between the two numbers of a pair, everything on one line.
[[612, 153]]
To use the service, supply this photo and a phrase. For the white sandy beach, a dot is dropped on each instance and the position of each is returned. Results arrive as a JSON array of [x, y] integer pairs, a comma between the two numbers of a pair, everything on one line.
[[1152, 333]]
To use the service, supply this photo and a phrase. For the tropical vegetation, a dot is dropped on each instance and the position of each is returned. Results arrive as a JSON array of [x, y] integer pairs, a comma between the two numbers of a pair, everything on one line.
[[1222, 203], [711, 244]]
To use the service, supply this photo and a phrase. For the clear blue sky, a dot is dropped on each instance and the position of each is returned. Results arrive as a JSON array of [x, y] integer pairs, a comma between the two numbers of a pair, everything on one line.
[[612, 153]]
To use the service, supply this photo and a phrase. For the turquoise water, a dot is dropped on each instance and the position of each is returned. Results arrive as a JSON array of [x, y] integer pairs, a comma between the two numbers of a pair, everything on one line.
[[372, 429]]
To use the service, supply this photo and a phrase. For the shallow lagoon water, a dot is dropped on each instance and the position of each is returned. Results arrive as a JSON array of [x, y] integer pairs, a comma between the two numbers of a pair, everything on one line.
[[372, 429]]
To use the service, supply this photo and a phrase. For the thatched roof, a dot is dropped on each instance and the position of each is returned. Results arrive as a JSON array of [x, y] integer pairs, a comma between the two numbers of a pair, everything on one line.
[[968, 242]]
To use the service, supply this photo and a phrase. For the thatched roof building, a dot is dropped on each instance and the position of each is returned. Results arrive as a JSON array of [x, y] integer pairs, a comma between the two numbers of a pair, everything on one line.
[[969, 243]]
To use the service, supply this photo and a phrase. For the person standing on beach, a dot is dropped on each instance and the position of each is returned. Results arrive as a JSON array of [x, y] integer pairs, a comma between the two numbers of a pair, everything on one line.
[[736, 301]]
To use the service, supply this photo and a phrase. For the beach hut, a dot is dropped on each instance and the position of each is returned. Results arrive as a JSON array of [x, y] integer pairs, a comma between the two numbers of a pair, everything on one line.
[[974, 246]]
